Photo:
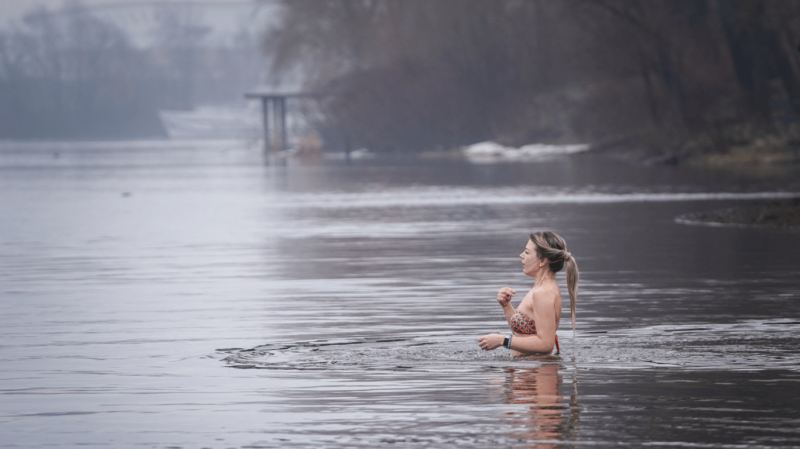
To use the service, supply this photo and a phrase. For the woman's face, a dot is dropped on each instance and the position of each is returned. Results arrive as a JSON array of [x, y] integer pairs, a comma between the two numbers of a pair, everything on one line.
[[531, 263]]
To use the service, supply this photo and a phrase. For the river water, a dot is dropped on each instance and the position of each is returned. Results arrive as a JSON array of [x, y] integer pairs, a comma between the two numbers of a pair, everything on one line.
[[168, 295]]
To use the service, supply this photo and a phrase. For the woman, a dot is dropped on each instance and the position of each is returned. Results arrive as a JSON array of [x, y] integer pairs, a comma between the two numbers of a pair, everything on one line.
[[535, 321]]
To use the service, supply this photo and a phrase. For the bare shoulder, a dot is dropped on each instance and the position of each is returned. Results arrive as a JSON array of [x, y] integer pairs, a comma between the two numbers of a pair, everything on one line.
[[545, 296]]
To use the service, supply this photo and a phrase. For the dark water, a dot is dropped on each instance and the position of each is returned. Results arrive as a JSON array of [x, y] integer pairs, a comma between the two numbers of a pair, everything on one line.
[[186, 295]]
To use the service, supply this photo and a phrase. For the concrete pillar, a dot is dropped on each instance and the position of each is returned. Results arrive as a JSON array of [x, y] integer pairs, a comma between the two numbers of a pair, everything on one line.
[[279, 123], [265, 116]]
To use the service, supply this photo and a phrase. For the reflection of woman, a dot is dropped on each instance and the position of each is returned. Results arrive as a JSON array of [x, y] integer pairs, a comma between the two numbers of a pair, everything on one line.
[[537, 387], [546, 416], [536, 319]]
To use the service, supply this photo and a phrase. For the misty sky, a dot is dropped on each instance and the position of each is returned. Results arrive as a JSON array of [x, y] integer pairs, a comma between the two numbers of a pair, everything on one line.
[[11, 10]]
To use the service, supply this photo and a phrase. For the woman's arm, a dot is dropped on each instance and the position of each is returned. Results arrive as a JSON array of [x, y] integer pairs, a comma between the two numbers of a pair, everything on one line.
[[527, 344], [541, 342], [544, 315], [508, 311], [533, 344], [504, 296]]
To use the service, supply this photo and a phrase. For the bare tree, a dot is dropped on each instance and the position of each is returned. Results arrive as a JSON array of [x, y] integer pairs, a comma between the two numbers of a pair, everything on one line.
[[421, 73]]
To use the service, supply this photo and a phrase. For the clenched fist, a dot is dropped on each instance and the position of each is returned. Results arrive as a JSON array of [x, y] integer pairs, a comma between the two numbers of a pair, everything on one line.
[[504, 295]]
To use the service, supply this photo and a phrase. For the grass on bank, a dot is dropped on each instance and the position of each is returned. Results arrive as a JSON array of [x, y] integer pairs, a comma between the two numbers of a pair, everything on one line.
[[781, 214]]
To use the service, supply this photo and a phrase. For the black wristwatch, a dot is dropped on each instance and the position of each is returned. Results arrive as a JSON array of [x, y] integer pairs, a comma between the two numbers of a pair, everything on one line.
[[507, 342]]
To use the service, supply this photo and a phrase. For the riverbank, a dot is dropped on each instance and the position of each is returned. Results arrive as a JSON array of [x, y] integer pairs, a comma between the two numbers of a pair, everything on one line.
[[767, 155], [744, 149], [778, 214]]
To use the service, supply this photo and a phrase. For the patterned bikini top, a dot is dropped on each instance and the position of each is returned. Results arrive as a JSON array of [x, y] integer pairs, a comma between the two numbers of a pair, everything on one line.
[[521, 324]]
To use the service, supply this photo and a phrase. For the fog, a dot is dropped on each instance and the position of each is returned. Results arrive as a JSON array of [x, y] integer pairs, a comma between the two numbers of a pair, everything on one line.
[[168, 279], [418, 74], [111, 70], [674, 77]]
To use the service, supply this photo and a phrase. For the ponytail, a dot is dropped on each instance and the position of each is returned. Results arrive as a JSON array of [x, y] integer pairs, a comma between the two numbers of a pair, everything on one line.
[[552, 247], [572, 287]]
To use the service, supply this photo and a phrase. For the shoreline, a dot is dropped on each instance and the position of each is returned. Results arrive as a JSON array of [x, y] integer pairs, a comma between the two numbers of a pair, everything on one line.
[[773, 214]]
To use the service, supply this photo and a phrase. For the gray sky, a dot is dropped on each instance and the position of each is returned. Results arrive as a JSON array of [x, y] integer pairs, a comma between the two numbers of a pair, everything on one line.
[[11, 10], [224, 18]]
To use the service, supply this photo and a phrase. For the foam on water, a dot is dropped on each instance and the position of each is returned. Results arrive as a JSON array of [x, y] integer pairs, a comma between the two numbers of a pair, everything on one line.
[[753, 345]]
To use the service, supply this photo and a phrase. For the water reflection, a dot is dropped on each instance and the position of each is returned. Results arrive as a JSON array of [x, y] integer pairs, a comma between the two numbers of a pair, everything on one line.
[[547, 419]]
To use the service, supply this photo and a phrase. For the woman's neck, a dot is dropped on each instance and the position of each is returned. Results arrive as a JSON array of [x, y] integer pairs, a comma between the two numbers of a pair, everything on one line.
[[542, 277]]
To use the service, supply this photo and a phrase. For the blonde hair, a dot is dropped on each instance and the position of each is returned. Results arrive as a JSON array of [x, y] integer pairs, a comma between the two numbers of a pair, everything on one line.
[[553, 248]]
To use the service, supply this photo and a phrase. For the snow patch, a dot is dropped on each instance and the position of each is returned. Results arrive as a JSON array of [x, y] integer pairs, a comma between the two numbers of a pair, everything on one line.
[[494, 152]]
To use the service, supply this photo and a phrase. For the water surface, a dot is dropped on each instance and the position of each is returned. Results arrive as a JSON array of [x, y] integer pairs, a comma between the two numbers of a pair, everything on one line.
[[187, 295]]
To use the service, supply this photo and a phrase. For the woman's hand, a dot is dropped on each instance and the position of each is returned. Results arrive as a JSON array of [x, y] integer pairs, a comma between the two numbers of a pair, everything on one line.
[[504, 295], [491, 341]]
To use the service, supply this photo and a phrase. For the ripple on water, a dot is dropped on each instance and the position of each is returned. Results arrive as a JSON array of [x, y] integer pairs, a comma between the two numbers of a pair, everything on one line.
[[401, 353], [754, 345], [439, 196]]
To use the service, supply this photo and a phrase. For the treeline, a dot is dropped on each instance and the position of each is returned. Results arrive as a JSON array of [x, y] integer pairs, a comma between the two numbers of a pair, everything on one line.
[[69, 74], [417, 74]]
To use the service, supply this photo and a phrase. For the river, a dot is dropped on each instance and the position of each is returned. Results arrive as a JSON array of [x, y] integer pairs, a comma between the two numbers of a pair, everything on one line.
[[165, 295]]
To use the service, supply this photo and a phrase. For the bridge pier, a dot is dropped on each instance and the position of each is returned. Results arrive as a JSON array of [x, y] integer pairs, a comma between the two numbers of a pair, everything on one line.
[[273, 118]]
